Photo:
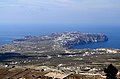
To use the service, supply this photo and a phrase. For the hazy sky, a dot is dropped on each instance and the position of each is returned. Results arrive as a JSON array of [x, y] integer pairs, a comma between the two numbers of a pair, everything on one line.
[[60, 11]]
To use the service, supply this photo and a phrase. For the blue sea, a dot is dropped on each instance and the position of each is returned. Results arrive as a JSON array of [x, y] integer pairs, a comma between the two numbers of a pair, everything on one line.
[[11, 32]]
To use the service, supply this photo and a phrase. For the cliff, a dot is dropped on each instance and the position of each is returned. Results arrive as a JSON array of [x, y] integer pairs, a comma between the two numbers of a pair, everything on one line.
[[67, 39]]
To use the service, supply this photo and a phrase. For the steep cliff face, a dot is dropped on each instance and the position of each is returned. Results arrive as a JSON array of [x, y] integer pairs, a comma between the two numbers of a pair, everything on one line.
[[68, 39]]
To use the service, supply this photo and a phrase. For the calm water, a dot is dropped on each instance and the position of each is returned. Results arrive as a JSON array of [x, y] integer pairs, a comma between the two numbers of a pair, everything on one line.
[[8, 33]]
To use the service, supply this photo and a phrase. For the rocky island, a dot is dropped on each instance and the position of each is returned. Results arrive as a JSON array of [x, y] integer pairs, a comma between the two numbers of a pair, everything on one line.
[[67, 39]]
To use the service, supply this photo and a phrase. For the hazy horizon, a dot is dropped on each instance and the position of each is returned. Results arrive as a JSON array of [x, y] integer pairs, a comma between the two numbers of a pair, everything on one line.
[[60, 12]]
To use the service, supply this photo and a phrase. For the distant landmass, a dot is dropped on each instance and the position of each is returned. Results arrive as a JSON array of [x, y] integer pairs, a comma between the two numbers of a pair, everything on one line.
[[55, 51], [67, 39], [55, 42]]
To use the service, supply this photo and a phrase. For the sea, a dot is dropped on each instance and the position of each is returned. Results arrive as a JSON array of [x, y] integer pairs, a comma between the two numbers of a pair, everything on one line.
[[11, 32]]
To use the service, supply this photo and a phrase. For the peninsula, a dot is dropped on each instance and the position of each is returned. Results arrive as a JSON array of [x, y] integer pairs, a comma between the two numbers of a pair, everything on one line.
[[54, 41]]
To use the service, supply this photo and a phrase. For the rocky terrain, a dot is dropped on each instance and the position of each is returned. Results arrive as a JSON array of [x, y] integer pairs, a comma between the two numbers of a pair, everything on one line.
[[67, 39], [42, 73], [55, 51], [52, 43]]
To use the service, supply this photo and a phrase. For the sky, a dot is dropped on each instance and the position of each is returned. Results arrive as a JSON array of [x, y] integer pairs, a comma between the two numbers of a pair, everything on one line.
[[60, 11]]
